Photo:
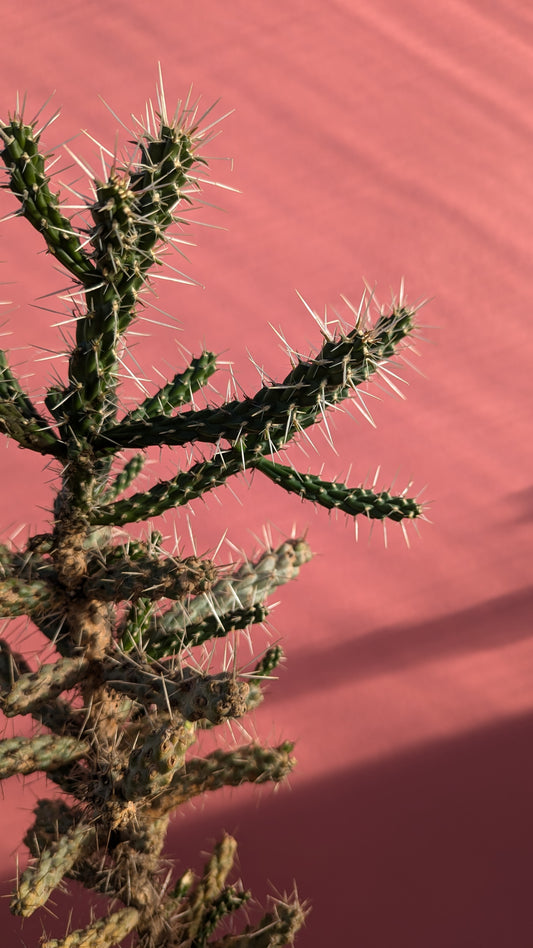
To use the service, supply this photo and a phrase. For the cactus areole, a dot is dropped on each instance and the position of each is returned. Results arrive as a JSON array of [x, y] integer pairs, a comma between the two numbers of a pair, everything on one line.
[[122, 693]]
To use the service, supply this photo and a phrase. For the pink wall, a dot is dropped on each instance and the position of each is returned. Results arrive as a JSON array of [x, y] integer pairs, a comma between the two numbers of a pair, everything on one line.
[[369, 140]]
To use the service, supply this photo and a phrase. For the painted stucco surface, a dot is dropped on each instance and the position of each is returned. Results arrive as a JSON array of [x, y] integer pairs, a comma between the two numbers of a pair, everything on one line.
[[380, 141]]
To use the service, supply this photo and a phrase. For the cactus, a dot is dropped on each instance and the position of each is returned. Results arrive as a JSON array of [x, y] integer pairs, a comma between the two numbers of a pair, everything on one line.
[[123, 694]]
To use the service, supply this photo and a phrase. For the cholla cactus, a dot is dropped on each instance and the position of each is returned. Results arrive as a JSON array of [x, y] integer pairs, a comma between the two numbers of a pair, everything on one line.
[[119, 707]]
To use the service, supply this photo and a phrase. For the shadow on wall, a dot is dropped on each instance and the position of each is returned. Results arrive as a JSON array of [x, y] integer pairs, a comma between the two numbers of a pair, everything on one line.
[[429, 849], [492, 624]]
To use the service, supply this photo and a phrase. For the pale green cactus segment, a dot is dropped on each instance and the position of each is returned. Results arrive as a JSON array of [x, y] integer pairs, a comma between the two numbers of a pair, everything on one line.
[[177, 392], [270, 418], [152, 766], [102, 933], [150, 579], [19, 419], [38, 881], [195, 696], [211, 900], [275, 930], [54, 714], [250, 763], [125, 477], [34, 689], [29, 182], [334, 495], [19, 755], [231, 598], [19, 597]]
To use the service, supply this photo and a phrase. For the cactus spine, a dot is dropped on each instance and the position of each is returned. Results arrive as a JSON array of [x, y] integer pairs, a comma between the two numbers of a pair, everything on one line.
[[123, 698]]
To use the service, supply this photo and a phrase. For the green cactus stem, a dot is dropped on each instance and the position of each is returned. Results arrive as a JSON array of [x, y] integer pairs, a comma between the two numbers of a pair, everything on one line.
[[176, 393], [250, 763], [102, 933], [334, 495], [19, 755], [40, 879]]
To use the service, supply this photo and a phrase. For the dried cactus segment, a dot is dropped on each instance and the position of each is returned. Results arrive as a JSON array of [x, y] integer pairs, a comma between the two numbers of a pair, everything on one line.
[[177, 392], [102, 933], [250, 763], [195, 696], [38, 881], [19, 755], [150, 579], [334, 495], [152, 766], [29, 182], [33, 689]]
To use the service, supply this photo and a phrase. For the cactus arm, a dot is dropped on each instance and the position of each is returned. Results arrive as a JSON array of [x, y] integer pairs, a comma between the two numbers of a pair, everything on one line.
[[152, 766], [195, 696], [210, 900], [271, 418], [276, 929], [131, 213], [151, 579], [250, 763], [19, 755], [334, 495], [102, 933], [175, 492], [235, 601], [29, 182], [261, 673], [33, 689], [177, 392], [39, 880], [19, 419], [125, 477]]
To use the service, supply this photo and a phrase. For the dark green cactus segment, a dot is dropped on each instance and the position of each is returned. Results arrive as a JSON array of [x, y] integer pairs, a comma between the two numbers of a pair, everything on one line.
[[29, 182], [179, 490], [19, 419], [250, 763], [334, 495], [19, 755], [158, 645], [177, 392], [152, 766], [102, 933], [33, 689], [271, 418], [125, 477], [39, 880], [261, 673]]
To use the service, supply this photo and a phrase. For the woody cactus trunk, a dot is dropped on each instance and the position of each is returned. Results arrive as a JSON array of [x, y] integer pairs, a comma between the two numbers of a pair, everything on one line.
[[118, 708]]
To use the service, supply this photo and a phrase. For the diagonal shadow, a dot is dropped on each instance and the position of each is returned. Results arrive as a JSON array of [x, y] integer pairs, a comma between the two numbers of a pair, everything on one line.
[[431, 848], [490, 625]]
